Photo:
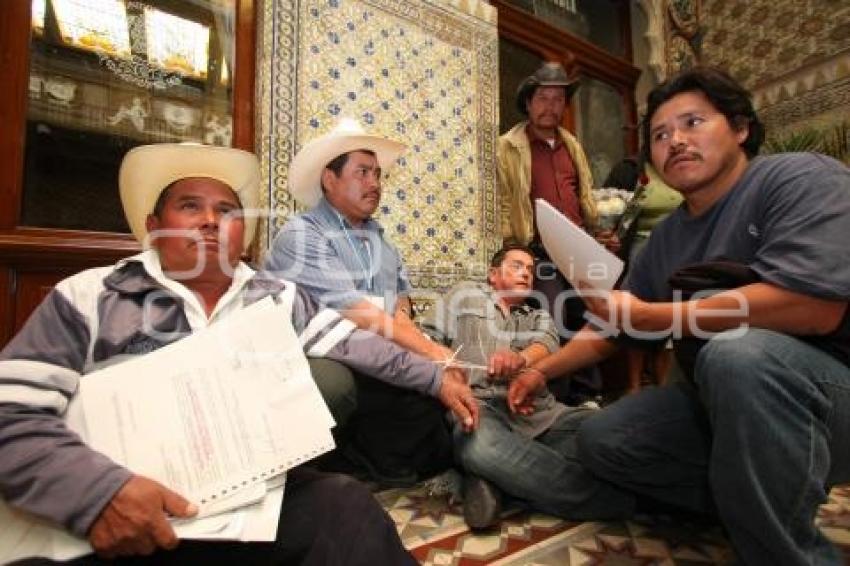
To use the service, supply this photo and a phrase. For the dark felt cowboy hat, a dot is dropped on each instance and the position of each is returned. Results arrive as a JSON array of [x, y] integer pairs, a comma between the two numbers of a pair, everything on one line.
[[550, 74]]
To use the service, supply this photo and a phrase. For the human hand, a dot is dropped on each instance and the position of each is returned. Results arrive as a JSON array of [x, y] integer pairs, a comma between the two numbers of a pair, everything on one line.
[[620, 309], [504, 364], [135, 521], [522, 389], [609, 239], [457, 396]]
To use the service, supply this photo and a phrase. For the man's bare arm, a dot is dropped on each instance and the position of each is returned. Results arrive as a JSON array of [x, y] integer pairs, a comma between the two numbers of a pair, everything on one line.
[[761, 305]]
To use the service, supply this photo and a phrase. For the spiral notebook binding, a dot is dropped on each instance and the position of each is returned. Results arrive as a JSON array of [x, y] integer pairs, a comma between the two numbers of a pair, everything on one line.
[[264, 475]]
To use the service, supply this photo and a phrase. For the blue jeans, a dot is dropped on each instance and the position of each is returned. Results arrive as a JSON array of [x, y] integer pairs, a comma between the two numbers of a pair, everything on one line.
[[762, 432], [542, 472]]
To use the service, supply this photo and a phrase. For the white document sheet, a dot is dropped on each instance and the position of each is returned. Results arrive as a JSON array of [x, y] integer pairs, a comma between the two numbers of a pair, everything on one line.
[[214, 413], [581, 259]]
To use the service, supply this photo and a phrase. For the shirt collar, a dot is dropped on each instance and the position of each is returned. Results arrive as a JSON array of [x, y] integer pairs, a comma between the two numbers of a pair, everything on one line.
[[333, 217], [534, 138], [130, 281], [491, 296]]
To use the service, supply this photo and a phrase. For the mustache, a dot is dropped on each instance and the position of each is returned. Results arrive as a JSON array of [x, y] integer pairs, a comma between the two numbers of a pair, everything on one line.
[[205, 235], [681, 155]]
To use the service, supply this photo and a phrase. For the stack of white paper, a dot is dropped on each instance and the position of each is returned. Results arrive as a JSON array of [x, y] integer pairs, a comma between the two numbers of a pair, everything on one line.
[[217, 417]]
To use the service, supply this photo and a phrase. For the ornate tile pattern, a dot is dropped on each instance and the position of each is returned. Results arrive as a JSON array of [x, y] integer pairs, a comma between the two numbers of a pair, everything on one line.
[[432, 527], [682, 27], [759, 41], [424, 72], [794, 55]]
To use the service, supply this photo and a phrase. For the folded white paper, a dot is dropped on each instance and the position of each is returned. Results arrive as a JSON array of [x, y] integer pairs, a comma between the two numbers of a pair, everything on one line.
[[581, 259]]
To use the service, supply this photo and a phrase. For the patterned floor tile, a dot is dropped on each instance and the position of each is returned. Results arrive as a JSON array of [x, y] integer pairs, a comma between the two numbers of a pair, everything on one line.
[[432, 527]]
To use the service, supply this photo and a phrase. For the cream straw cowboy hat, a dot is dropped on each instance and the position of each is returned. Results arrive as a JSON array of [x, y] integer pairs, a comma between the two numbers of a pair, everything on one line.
[[305, 172], [148, 169]]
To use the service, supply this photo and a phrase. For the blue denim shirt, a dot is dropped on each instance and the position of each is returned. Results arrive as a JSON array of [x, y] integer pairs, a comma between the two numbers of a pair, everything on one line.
[[335, 262]]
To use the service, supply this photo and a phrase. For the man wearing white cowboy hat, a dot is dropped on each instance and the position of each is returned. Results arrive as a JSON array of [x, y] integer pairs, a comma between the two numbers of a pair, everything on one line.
[[338, 252], [186, 203]]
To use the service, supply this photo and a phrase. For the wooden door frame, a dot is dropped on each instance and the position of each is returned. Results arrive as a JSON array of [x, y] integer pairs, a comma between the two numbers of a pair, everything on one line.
[[579, 57]]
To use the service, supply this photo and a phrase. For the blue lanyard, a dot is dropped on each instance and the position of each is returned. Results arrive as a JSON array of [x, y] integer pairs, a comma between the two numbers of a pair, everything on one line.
[[364, 265]]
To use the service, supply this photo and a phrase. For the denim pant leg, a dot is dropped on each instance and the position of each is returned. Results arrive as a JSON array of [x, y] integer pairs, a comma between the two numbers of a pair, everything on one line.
[[654, 443], [780, 411], [550, 479]]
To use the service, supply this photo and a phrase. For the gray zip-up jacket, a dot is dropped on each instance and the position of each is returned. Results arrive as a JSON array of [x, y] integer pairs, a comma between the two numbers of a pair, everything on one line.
[[131, 308]]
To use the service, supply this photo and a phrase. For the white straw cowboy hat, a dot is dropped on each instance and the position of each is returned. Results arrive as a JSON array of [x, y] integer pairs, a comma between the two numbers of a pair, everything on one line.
[[305, 172], [148, 169]]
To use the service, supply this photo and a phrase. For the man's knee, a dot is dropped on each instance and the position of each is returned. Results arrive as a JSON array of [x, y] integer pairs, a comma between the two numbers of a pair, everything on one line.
[[600, 445], [341, 498], [477, 451], [346, 524], [739, 364], [346, 494], [757, 374]]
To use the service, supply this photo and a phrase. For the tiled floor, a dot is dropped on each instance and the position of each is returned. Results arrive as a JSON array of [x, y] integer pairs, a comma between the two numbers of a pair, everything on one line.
[[432, 527]]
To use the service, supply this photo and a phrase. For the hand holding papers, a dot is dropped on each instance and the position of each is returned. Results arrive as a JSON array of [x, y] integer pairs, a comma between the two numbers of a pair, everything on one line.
[[581, 259]]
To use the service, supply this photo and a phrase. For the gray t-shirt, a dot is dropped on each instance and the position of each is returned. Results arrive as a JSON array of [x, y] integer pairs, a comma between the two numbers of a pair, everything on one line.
[[787, 218]]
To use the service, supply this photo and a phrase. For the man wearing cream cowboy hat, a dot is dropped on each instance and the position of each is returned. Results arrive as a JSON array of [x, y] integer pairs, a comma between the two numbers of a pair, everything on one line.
[[338, 253], [189, 205]]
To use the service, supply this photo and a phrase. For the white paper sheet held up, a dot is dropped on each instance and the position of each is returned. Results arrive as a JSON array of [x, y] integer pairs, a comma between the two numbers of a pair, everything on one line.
[[581, 259]]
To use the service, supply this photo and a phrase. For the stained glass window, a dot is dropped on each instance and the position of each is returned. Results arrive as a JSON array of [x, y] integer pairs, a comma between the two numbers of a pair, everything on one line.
[[96, 25], [38, 8], [106, 76], [177, 44]]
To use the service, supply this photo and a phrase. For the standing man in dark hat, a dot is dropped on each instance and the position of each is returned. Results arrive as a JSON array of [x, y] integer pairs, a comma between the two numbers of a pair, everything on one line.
[[539, 158]]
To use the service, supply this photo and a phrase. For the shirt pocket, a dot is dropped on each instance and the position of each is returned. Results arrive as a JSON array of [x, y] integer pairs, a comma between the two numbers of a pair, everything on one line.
[[481, 334]]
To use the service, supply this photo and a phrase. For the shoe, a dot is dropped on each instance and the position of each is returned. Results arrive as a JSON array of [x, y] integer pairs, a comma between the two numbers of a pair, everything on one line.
[[386, 474], [449, 484], [482, 503]]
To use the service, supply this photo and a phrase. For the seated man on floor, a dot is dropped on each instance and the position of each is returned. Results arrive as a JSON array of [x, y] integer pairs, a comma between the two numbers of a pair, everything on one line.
[[528, 452], [751, 276], [338, 253], [187, 201]]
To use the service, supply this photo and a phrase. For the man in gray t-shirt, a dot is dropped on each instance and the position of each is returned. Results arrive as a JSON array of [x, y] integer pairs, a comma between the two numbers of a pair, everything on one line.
[[758, 254]]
